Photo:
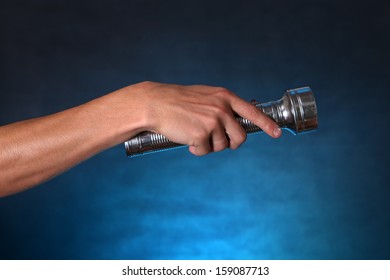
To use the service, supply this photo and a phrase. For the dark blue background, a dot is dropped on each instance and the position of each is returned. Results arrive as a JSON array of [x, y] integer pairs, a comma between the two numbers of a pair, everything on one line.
[[323, 195]]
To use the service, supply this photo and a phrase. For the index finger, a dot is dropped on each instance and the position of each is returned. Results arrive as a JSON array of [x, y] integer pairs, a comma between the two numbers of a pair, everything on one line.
[[255, 115]]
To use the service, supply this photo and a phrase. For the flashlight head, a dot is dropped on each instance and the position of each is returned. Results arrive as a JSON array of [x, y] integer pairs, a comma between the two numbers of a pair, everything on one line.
[[300, 110]]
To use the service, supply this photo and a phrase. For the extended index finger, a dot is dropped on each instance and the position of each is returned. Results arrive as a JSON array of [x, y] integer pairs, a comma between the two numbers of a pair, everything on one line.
[[255, 115]]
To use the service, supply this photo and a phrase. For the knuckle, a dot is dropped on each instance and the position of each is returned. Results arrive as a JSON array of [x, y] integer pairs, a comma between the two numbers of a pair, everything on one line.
[[220, 113], [234, 145], [199, 150], [220, 145], [200, 136], [213, 123], [254, 111], [223, 92], [239, 138]]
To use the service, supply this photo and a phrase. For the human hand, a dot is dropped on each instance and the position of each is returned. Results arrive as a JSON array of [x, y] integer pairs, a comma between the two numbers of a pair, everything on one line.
[[202, 117]]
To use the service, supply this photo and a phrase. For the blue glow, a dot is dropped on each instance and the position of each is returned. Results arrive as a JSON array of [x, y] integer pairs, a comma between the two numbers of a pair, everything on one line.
[[299, 90]]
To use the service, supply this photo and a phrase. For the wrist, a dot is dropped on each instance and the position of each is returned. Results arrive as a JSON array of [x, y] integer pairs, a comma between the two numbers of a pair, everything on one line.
[[119, 115]]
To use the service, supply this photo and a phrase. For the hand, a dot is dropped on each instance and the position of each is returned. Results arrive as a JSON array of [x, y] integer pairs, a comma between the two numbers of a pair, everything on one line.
[[201, 116]]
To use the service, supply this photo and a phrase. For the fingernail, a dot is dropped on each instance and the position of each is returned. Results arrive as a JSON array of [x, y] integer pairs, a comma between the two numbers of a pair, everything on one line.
[[277, 132]]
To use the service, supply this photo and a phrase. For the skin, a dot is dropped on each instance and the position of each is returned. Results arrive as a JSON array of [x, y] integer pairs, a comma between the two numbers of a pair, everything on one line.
[[202, 117]]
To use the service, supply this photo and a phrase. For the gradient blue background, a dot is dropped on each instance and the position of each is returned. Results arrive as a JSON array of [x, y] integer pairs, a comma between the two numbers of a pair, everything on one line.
[[323, 195]]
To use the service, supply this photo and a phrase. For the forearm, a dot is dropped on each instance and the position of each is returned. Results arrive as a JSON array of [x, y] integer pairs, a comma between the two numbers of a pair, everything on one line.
[[36, 150]]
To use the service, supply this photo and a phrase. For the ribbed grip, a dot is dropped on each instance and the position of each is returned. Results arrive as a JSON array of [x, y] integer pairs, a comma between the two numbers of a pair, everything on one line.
[[149, 142]]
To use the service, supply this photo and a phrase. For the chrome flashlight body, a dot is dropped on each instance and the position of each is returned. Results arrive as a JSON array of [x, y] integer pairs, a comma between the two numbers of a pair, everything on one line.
[[296, 112]]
